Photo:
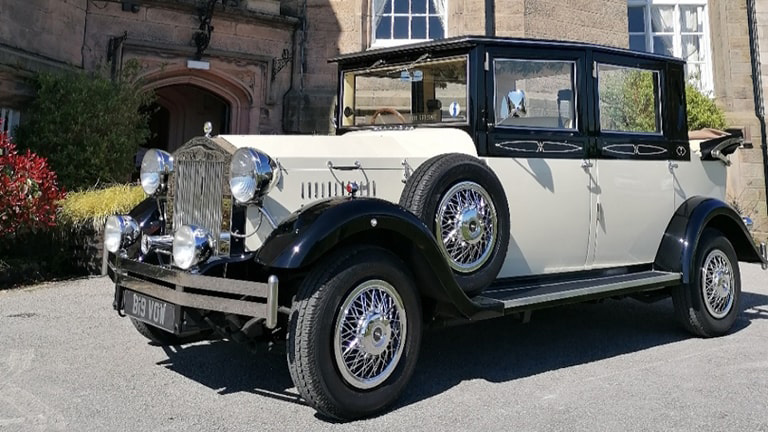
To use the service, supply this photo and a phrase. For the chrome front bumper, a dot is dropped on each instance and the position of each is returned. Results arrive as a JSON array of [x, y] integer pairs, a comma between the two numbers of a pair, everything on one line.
[[253, 299]]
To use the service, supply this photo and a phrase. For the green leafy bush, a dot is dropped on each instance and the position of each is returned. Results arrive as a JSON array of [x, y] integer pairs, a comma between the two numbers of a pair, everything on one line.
[[87, 125], [627, 103], [702, 111]]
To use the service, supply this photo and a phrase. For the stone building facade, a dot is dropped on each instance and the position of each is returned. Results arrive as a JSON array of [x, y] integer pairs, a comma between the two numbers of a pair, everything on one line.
[[265, 70], [239, 83]]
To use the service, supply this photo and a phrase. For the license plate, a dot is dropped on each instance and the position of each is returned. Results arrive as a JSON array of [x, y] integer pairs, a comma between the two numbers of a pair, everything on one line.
[[150, 310]]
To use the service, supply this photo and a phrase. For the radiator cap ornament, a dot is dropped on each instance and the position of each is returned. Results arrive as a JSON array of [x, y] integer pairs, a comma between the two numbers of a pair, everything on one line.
[[208, 128]]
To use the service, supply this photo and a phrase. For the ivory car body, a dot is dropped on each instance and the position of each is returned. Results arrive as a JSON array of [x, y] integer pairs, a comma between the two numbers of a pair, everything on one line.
[[469, 178]]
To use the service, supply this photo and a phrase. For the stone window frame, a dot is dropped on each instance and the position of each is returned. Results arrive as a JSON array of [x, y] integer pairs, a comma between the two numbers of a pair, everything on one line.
[[10, 119], [704, 81], [378, 10]]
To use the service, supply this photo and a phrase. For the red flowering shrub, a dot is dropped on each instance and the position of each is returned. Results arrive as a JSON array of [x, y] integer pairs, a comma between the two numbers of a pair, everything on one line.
[[28, 190]]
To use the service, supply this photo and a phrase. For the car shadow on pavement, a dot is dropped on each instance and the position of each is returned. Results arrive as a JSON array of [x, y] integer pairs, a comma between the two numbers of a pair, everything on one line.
[[496, 350], [504, 349], [229, 367]]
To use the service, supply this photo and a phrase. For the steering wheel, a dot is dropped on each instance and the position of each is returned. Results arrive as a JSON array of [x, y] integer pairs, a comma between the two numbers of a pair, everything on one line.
[[388, 111]]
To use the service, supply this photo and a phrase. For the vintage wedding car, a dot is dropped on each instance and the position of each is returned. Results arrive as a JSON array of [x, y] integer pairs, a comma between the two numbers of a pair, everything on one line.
[[470, 178]]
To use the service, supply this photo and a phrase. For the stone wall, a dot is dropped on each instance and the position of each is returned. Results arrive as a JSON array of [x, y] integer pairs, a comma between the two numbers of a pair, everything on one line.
[[734, 93], [309, 103], [246, 41], [49, 28], [602, 22], [243, 47], [37, 35]]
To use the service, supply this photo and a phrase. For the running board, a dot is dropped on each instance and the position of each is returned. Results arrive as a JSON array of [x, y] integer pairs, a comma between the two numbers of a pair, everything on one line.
[[532, 296]]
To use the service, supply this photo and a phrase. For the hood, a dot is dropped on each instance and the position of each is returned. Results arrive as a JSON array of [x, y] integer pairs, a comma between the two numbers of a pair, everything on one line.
[[374, 149]]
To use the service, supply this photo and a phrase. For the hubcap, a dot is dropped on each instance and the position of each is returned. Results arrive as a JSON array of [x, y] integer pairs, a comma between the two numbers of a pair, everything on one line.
[[466, 227], [370, 334], [717, 284]]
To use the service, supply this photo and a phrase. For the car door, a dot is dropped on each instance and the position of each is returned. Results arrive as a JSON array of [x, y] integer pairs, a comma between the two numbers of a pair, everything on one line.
[[635, 195], [536, 144]]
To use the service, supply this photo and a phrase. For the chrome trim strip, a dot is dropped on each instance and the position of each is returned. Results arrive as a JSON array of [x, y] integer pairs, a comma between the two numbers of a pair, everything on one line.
[[635, 149], [144, 278], [764, 254], [272, 285], [196, 301]]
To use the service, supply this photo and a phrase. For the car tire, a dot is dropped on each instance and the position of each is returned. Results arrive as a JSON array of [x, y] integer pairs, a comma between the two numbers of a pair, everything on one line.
[[708, 305], [329, 351], [155, 335], [434, 192], [161, 337]]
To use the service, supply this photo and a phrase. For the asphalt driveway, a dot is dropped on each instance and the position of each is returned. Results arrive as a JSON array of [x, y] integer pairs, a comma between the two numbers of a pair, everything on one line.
[[68, 362]]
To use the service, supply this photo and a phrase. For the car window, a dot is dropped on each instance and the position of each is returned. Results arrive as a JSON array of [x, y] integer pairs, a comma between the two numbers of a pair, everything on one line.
[[534, 93], [628, 99], [422, 92]]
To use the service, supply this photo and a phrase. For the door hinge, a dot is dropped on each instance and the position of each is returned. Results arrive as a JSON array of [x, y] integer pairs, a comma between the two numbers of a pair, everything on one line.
[[487, 64], [594, 69]]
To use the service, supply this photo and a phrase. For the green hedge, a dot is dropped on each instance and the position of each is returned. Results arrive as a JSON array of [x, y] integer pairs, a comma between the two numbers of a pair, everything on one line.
[[87, 125]]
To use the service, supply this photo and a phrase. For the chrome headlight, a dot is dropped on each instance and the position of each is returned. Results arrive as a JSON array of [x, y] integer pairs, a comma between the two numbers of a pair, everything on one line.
[[120, 232], [252, 174], [191, 245], [155, 166]]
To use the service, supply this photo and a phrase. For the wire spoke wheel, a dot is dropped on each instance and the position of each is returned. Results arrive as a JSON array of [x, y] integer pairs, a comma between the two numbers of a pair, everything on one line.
[[369, 334], [717, 283], [466, 226]]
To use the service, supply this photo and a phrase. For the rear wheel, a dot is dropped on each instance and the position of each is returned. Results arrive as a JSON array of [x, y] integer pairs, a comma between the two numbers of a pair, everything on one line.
[[708, 305], [354, 334]]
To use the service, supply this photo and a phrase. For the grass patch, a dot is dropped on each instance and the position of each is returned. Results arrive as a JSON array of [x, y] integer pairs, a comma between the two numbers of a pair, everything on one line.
[[92, 207]]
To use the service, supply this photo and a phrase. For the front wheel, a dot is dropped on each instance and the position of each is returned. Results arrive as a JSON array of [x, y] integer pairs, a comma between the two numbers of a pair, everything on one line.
[[708, 305], [354, 335]]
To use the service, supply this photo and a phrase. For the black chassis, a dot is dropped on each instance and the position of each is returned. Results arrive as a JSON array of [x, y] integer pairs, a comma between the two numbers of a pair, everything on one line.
[[246, 283]]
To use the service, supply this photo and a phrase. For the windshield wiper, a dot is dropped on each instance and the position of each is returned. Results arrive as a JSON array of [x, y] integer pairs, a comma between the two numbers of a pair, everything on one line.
[[377, 63]]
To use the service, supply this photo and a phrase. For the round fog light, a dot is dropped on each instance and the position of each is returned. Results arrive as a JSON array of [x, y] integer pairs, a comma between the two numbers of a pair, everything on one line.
[[120, 232], [191, 245]]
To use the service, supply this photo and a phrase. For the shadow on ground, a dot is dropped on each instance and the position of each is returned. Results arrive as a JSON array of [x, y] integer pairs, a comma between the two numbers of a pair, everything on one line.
[[496, 350]]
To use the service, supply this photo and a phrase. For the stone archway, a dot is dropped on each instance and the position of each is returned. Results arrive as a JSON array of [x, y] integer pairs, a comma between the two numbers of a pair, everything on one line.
[[181, 112], [192, 97]]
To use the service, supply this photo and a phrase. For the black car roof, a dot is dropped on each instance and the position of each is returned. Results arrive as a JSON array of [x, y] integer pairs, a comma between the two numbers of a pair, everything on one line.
[[472, 41]]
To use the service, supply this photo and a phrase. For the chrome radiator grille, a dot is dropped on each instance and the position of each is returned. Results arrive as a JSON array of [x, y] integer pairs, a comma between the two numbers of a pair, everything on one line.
[[198, 193]]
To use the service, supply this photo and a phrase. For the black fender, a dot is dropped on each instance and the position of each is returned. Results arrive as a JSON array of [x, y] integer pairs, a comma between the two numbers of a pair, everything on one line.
[[312, 232], [147, 215], [678, 246]]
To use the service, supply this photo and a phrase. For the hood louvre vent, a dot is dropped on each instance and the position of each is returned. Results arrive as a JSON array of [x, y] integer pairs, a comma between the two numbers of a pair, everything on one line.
[[311, 191]]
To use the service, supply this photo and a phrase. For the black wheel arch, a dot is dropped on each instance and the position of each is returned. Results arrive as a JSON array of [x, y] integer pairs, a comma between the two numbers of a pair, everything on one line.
[[678, 246], [317, 230]]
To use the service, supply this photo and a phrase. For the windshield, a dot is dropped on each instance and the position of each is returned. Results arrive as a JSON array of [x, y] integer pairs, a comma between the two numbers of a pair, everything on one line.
[[427, 92]]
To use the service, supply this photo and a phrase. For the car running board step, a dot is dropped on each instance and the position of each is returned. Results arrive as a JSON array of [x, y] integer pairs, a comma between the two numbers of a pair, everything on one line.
[[532, 296]]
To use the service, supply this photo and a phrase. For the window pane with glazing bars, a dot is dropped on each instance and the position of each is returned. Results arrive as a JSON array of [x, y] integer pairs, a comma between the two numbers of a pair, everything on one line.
[[408, 19]]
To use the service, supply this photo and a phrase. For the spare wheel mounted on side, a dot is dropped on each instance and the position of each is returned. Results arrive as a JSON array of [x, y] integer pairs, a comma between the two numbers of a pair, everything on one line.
[[463, 203]]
